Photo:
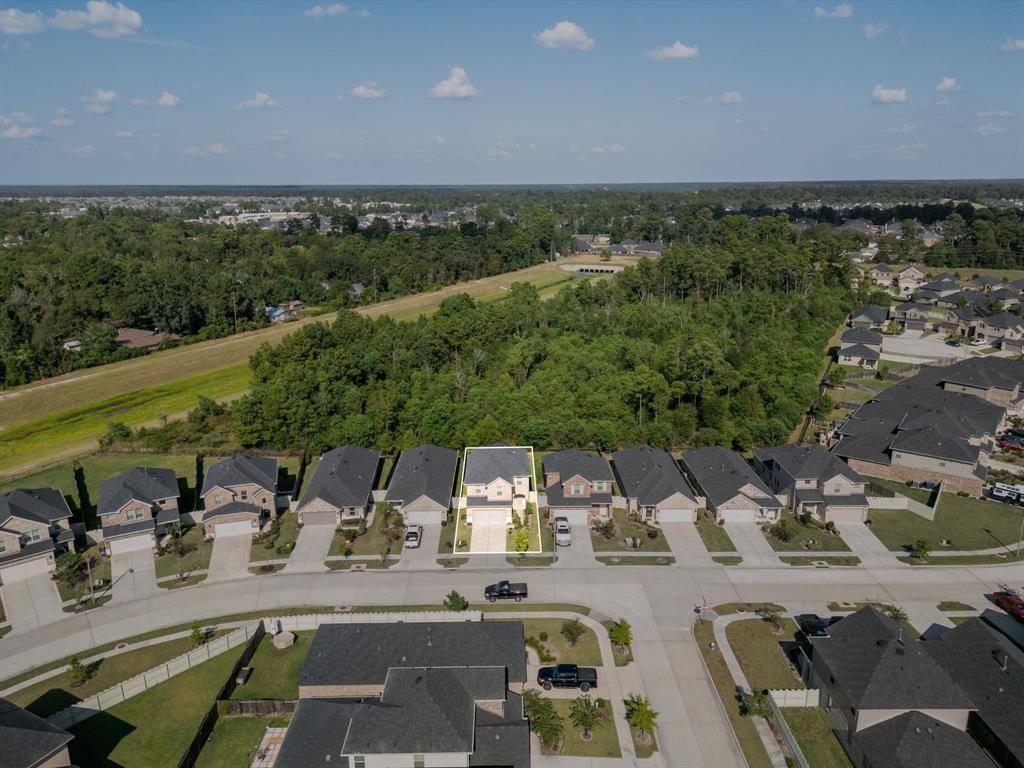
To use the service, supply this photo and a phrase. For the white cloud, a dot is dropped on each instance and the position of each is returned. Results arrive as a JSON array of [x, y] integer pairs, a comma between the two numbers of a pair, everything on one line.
[[278, 135], [334, 156], [608, 149], [902, 128], [947, 84], [842, 11], [883, 95], [125, 134], [334, 9], [363, 13], [217, 149], [995, 113], [101, 18], [871, 31], [18, 131], [137, 102], [168, 99], [675, 51], [565, 35], [990, 129], [84, 151], [98, 102], [369, 91], [15, 22], [1013, 44], [727, 97], [498, 152], [440, 140], [455, 86], [62, 122], [259, 101], [209, 149]]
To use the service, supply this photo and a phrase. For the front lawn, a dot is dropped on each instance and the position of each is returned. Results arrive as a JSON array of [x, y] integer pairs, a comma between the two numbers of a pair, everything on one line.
[[759, 654], [530, 523], [196, 555], [626, 526], [100, 566], [235, 741], [635, 560], [604, 741], [816, 740], [811, 536], [586, 652], [154, 728], [275, 673], [715, 537], [965, 522], [385, 532], [281, 540], [954, 605]]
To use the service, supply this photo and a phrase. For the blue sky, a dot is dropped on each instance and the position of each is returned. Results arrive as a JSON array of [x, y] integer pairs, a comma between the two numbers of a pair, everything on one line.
[[391, 93]]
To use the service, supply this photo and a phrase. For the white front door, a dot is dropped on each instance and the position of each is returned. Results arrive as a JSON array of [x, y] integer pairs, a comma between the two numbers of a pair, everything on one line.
[[237, 528]]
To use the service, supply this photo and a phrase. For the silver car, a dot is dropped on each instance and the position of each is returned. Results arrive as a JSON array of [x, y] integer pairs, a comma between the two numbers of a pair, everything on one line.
[[413, 536], [563, 532]]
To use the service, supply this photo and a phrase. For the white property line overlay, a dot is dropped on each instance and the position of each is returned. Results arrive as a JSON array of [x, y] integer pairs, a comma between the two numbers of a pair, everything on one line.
[[462, 486]]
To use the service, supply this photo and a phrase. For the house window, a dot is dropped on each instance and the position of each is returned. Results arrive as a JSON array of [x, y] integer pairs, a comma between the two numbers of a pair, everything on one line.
[[33, 535], [577, 489], [498, 491], [358, 761], [3, 545], [419, 761], [245, 495], [264, 500], [216, 499], [837, 491], [942, 463]]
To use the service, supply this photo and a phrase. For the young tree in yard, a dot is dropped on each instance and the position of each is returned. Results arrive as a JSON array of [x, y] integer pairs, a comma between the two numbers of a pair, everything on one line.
[[71, 569], [773, 618], [455, 602], [836, 376], [198, 634], [522, 541], [621, 634], [77, 671], [894, 612], [572, 631], [641, 717], [544, 719], [921, 549], [758, 705], [585, 714]]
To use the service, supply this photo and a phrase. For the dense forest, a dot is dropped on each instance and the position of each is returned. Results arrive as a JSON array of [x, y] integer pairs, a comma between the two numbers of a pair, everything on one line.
[[711, 344]]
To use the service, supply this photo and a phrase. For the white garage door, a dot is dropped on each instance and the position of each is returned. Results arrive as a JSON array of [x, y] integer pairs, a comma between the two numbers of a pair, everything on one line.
[[494, 516], [319, 518], [574, 516], [425, 517], [736, 515], [131, 544], [24, 570], [676, 515], [848, 514], [237, 528]]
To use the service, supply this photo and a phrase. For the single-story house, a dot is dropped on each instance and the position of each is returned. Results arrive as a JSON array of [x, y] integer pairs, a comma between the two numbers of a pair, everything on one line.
[[732, 489], [859, 355], [870, 316], [654, 487], [578, 485], [421, 485], [136, 506], [34, 527], [341, 487]]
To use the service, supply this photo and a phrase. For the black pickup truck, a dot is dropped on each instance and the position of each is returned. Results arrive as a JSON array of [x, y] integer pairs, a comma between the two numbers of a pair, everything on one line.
[[567, 676], [505, 590]]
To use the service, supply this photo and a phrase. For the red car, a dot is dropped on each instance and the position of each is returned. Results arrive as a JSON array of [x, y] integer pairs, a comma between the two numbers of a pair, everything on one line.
[[1012, 603], [1012, 445]]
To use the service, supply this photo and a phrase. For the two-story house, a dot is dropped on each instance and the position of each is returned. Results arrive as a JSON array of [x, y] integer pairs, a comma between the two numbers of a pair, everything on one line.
[[870, 317], [496, 483], [733, 491], [882, 275], [860, 347], [813, 481], [654, 487], [341, 487], [420, 488], [411, 695], [1005, 327], [136, 506], [34, 527], [578, 485], [909, 280], [238, 494], [910, 315]]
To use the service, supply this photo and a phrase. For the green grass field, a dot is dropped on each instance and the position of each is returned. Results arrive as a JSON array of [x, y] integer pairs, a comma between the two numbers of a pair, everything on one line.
[[967, 523], [811, 538], [275, 673], [759, 654], [604, 741], [816, 740], [235, 741], [627, 528], [714, 536], [586, 652]]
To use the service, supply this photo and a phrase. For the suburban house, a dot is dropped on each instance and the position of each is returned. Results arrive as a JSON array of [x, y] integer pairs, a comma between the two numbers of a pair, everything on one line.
[[732, 488], [136, 506], [288, 310], [939, 287], [910, 315], [654, 487], [1005, 326], [139, 338], [496, 483], [1007, 297], [421, 485], [882, 275], [984, 283], [870, 316], [30, 741], [238, 494], [860, 347], [893, 700], [33, 528], [961, 299], [578, 485], [341, 487], [411, 695], [813, 481], [936, 426], [909, 280]]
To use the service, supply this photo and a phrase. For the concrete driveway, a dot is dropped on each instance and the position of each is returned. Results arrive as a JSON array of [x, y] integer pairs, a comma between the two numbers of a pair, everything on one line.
[[867, 546], [425, 555], [311, 549], [230, 557], [912, 347], [133, 575], [751, 545], [687, 545], [579, 554], [31, 602], [488, 537]]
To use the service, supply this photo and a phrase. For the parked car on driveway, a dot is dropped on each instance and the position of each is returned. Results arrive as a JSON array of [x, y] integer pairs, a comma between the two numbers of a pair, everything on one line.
[[505, 590], [1010, 443], [1011, 602], [977, 342], [563, 532], [567, 676], [413, 536]]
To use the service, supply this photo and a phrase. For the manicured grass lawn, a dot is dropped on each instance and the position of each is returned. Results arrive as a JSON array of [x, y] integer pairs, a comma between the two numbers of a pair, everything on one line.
[[962, 560], [155, 728], [635, 560], [275, 673], [385, 472], [50, 696], [373, 565], [815, 738], [289, 532], [812, 538], [531, 561], [922, 495], [372, 541], [832, 561], [954, 605], [100, 571], [760, 656], [728, 609], [235, 741], [604, 741], [627, 528], [533, 530], [197, 559], [586, 653], [968, 523], [452, 562], [621, 658], [643, 749], [728, 560], [715, 537], [743, 727]]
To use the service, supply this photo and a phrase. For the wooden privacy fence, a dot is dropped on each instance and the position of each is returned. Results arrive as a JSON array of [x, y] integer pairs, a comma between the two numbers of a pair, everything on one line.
[[133, 686]]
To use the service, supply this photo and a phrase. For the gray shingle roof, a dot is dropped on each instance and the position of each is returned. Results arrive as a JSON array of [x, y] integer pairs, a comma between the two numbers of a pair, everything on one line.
[[586, 464], [859, 350], [26, 738], [424, 471], [344, 477], [861, 336], [241, 469], [811, 462], [872, 312], [720, 474], [232, 508], [38, 505], [145, 484], [128, 529], [914, 740], [649, 475], [484, 465]]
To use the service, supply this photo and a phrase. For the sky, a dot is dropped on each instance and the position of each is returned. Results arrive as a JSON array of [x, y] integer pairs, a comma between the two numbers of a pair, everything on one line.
[[268, 92]]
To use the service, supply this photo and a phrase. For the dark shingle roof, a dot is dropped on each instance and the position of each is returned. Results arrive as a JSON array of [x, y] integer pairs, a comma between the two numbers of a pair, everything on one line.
[[344, 477], [241, 469], [650, 475], [38, 505], [859, 350], [232, 508], [721, 473], [914, 740], [811, 462], [861, 336], [145, 484], [486, 464], [27, 739], [424, 471], [872, 312], [586, 464]]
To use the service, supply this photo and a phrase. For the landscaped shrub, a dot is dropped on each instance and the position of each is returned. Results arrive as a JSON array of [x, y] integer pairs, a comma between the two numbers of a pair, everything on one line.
[[605, 529], [543, 636], [545, 656], [652, 533]]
